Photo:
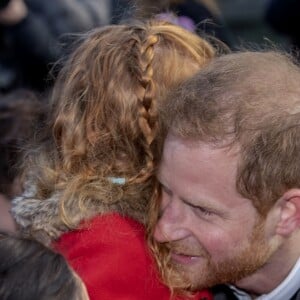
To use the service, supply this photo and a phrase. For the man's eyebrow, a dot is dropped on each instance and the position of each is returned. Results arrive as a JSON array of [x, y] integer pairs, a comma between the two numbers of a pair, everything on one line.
[[192, 203], [203, 204]]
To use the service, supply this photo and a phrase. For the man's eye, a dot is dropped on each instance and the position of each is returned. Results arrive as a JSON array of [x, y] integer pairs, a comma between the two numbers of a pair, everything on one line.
[[201, 210], [204, 211]]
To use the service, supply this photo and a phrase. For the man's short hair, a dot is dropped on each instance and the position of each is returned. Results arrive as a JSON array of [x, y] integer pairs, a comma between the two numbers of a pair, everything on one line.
[[250, 100]]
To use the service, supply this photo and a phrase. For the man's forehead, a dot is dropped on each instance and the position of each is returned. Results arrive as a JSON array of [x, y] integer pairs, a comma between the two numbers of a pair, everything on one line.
[[191, 159], [197, 170], [174, 143], [175, 139]]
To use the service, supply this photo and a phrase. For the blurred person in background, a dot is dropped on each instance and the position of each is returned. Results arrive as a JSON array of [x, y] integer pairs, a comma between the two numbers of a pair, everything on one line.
[[35, 34], [31, 271], [90, 182], [284, 17], [20, 113], [201, 16]]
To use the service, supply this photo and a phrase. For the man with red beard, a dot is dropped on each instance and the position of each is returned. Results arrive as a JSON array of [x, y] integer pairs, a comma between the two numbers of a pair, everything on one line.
[[230, 177]]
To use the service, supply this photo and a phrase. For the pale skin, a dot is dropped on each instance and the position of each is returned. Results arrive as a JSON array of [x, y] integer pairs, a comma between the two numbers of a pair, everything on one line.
[[82, 294], [13, 13], [207, 219], [7, 223]]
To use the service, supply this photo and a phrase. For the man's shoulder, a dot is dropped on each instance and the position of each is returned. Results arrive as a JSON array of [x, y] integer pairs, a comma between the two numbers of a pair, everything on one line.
[[296, 296], [223, 292]]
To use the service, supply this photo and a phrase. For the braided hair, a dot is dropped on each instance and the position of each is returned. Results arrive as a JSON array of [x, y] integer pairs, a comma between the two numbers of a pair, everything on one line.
[[103, 150]]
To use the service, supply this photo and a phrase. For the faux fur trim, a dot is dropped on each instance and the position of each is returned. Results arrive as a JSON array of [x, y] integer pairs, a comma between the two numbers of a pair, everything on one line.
[[41, 219], [36, 217]]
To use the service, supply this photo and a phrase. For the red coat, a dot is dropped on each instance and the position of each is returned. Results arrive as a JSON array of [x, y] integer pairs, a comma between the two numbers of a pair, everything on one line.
[[111, 257]]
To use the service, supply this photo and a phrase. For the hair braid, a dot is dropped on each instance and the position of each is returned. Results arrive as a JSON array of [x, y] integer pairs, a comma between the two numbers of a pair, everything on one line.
[[147, 104], [104, 144]]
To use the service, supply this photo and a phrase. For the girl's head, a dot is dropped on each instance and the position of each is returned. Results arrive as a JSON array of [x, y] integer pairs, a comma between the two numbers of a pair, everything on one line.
[[104, 116], [29, 270]]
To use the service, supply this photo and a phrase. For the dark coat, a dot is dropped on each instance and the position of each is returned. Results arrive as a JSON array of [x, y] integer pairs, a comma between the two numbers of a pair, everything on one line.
[[223, 292], [284, 17]]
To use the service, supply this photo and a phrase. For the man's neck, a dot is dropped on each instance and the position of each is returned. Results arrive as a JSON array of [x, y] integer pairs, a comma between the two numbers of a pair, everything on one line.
[[272, 274]]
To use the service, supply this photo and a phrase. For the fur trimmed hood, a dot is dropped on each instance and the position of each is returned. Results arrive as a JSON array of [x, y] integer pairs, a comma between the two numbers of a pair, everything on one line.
[[41, 218], [36, 217]]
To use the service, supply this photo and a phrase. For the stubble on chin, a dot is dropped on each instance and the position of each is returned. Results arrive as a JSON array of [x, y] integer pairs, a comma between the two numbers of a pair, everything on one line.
[[182, 277], [249, 258]]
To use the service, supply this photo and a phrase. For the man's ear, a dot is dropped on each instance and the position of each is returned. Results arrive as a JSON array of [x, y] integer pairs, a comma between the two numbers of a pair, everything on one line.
[[289, 219]]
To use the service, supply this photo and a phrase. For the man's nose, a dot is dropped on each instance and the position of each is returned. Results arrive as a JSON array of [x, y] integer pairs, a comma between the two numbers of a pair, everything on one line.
[[171, 225]]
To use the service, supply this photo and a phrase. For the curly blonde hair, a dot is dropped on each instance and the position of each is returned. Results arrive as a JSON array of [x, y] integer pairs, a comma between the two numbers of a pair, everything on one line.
[[104, 119]]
